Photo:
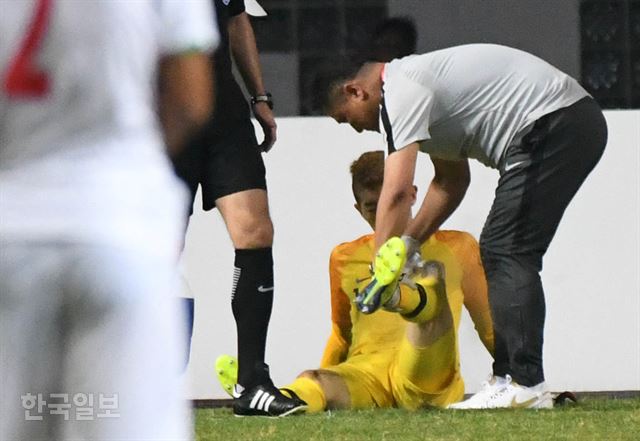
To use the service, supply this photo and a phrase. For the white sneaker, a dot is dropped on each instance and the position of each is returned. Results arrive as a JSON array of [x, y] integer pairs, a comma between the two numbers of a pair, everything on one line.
[[533, 397], [488, 390], [503, 393]]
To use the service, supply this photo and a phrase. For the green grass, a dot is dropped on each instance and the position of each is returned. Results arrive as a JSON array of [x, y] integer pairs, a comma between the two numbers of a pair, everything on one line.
[[590, 419]]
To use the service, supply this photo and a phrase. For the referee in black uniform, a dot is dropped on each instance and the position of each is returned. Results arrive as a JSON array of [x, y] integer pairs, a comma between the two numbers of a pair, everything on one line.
[[226, 161]]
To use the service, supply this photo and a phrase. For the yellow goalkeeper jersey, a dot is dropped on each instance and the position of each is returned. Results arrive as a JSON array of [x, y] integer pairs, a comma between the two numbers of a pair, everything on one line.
[[355, 334]]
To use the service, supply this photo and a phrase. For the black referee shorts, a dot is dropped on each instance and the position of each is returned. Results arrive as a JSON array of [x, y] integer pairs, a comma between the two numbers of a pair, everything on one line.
[[224, 159]]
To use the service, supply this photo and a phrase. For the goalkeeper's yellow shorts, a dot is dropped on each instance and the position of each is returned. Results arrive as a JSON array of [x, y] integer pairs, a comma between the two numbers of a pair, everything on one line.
[[409, 378]]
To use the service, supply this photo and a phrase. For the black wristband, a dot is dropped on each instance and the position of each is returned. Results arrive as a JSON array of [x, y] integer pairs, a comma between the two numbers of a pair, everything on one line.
[[266, 98]]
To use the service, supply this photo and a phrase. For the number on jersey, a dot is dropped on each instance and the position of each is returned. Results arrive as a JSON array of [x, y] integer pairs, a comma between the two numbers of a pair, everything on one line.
[[23, 78]]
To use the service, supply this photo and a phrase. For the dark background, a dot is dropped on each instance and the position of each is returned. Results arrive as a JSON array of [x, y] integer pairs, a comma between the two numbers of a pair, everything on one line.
[[595, 41]]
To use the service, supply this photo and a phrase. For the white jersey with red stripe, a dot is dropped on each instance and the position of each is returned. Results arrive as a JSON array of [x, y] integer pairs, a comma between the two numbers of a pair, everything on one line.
[[80, 147]]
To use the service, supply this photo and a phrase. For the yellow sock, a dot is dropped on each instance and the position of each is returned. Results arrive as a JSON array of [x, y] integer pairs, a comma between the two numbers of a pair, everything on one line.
[[309, 391], [432, 368], [420, 305]]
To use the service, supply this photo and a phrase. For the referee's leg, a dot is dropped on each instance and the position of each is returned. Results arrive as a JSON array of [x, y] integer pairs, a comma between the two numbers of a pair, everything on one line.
[[236, 184], [246, 214], [553, 161]]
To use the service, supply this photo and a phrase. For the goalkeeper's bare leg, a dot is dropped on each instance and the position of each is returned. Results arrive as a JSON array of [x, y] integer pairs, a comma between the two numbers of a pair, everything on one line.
[[321, 389]]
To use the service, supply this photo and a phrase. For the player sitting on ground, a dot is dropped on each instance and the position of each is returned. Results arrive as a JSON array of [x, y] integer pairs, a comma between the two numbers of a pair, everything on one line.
[[406, 354]]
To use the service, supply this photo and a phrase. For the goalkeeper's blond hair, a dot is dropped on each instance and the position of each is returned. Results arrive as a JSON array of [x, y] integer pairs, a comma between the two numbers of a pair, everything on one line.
[[367, 172]]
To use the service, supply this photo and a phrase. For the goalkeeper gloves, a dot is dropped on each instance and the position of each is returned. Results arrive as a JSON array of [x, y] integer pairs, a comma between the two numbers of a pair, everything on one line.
[[414, 261]]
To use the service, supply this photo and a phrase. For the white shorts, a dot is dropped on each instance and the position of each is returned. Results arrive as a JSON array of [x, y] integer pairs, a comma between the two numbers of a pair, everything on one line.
[[90, 344]]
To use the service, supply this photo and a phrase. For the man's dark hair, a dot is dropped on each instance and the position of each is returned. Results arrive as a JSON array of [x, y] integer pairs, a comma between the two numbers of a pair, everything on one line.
[[395, 37], [330, 89]]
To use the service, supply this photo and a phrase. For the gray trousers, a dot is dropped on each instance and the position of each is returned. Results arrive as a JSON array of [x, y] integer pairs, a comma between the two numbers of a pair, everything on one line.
[[542, 174]]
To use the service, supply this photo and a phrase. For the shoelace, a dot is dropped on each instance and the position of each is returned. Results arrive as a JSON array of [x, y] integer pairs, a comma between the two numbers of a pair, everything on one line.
[[487, 384], [502, 387]]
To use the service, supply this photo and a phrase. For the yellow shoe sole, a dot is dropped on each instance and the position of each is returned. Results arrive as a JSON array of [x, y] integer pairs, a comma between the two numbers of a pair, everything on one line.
[[227, 372], [389, 262]]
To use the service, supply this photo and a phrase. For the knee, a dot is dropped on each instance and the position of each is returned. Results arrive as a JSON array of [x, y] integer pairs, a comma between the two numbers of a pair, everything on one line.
[[311, 375], [253, 232], [333, 388], [316, 377], [521, 267]]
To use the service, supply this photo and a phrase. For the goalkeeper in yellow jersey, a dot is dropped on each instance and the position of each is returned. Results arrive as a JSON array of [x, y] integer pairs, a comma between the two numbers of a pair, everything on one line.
[[405, 354]]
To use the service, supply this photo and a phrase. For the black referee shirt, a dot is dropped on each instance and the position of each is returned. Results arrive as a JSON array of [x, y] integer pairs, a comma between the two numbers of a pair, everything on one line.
[[230, 103]]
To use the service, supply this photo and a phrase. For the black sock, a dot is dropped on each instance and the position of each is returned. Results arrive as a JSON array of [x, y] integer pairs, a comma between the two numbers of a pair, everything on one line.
[[251, 301]]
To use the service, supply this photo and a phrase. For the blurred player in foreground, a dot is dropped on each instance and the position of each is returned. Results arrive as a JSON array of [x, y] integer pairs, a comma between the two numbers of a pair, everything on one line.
[[405, 355], [92, 214], [513, 112]]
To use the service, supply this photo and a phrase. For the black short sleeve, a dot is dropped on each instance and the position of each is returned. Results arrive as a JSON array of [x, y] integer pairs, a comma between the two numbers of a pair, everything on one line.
[[235, 7]]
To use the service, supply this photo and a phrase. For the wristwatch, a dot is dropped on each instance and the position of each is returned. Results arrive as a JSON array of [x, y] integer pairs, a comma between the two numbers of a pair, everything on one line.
[[266, 98]]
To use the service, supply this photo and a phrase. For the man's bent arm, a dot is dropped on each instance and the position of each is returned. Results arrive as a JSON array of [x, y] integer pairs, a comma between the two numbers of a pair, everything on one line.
[[335, 350], [446, 191], [394, 206], [338, 343], [475, 290]]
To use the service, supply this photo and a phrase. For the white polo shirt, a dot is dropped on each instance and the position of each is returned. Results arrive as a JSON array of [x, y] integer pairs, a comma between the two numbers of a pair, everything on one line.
[[83, 159], [469, 101]]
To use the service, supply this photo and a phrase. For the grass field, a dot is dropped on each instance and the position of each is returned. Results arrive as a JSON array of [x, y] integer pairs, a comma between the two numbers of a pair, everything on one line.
[[590, 419]]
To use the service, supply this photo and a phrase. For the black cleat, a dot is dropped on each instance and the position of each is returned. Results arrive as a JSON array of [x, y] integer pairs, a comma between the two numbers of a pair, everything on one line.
[[263, 398], [266, 400]]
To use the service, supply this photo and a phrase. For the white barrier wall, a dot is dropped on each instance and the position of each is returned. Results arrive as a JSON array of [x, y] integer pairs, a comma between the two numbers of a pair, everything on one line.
[[591, 273]]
